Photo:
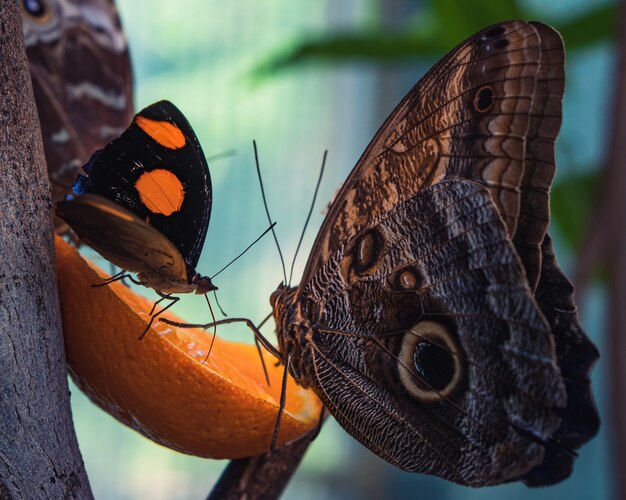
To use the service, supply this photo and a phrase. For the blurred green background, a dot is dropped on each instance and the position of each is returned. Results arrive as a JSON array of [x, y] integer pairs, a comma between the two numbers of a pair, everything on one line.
[[301, 77]]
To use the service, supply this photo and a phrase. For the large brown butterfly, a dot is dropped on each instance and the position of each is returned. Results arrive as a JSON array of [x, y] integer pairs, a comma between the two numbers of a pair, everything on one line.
[[82, 80], [432, 319]]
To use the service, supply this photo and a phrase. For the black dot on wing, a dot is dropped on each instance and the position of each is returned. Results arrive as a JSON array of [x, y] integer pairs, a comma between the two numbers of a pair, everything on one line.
[[483, 99], [429, 361], [493, 33], [434, 365]]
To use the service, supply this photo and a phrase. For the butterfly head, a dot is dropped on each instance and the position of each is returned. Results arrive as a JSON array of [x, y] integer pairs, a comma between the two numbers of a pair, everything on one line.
[[283, 302], [202, 284], [278, 302], [293, 331]]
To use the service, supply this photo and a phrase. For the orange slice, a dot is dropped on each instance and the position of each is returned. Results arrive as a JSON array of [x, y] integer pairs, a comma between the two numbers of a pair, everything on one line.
[[159, 385]]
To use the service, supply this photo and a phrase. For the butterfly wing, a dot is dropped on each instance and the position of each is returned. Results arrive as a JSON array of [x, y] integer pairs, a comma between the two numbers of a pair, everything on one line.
[[490, 112], [539, 161], [157, 170], [82, 80], [480, 113], [427, 345], [576, 356], [123, 238]]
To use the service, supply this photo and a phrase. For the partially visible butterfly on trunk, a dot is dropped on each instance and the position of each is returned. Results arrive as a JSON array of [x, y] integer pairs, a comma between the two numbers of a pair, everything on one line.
[[82, 81], [145, 202], [432, 318]]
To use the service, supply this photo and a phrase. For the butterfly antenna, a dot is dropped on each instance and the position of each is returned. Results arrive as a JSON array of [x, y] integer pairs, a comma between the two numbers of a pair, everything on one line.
[[271, 228], [267, 211], [214, 328], [308, 217]]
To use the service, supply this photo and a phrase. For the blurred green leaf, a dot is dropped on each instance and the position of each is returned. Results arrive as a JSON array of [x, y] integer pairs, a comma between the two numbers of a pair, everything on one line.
[[572, 203], [595, 26], [458, 20], [367, 47], [428, 36]]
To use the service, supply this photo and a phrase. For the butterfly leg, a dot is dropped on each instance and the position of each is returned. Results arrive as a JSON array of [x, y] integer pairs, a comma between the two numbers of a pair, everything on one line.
[[206, 297], [258, 336], [258, 350], [173, 299], [112, 268], [218, 304], [281, 406], [154, 306], [117, 277]]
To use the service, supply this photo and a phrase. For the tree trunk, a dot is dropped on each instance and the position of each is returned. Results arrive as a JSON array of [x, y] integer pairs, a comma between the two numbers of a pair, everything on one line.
[[39, 456]]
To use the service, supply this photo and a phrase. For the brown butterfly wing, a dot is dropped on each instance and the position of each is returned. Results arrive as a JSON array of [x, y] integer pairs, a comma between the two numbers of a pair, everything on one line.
[[472, 116], [576, 356], [489, 111], [125, 240], [82, 81], [428, 346], [539, 163]]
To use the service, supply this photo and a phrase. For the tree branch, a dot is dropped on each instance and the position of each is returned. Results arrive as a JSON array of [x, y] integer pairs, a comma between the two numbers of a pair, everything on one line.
[[39, 456], [605, 243], [614, 227], [263, 477]]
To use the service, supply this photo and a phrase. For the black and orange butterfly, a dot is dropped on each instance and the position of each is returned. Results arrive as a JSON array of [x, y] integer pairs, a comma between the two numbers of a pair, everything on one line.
[[145, 203]]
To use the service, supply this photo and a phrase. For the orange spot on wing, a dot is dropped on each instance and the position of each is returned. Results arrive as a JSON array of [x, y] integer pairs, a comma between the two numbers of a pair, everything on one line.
[[165, 133], [160, 191]]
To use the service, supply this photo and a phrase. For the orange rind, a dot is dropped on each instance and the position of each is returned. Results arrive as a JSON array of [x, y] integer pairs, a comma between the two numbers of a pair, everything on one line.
[[160, 385]]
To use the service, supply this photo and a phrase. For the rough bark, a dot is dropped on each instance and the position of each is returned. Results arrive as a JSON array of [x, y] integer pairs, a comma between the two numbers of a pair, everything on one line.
[[39, 456], [263, 477]]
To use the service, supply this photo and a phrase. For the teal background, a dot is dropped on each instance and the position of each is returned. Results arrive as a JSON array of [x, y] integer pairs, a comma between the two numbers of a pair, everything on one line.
[[234, 69]]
